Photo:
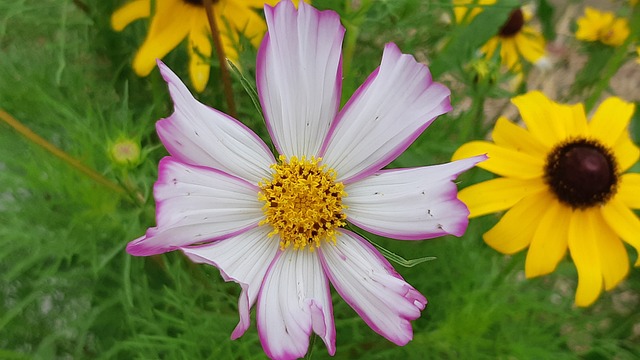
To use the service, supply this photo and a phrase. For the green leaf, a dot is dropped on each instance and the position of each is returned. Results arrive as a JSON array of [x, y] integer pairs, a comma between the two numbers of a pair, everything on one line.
[[248, 87], [466, 39], [545, 14], [391, 256]]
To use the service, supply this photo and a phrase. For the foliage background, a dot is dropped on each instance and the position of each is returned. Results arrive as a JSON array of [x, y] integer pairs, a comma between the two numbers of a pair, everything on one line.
[[69, 290]]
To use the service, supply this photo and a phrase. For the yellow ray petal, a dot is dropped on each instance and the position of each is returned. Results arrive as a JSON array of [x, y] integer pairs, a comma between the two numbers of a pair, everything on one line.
[[625, 152], [509, 54], [169, 27], [530, 44], [516, 228], [624, 222], [246, 22], [537, 112], [259, 4], [490, 47], [611, 120], [129, 13], [475, 8], [503, 161], [614, 260], [507, 134], [498, 194], [629, 190], [571, 120], [199, 54], [549, 243], [584, 252]]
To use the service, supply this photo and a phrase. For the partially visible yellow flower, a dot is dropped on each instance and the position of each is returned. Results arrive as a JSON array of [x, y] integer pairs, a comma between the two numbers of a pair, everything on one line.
[[514, 40], [473, 6], [633, 2], [602, 26], [175, 20], [563, 186], [638, 51]]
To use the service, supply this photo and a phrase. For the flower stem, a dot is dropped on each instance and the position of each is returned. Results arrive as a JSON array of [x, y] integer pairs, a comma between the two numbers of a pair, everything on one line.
[[37, 139], [224, 70]]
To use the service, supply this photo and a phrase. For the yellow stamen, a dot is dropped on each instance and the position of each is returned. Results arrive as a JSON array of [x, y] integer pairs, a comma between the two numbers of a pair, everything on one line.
[[303, 203]]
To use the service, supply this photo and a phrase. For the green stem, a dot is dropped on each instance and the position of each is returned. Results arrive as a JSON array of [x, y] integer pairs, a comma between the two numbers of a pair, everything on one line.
[[312, 342], [222, 59], [356, 15], [472, 126], [73, 162]]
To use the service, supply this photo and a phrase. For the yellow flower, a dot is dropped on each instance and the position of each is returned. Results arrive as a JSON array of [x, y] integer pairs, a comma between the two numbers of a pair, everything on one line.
[[564, 186], [175, 20], [638, 51], [475, 6], [515, 39], [602, 26]]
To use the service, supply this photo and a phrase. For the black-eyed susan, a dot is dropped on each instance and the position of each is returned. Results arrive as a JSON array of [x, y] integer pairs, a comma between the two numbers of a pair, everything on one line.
[[565, 187], [515, 39], [602, 26], [175, 20]]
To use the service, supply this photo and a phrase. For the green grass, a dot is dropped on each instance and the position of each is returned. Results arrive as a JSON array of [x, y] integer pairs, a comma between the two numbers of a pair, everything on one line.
[[69, 290]]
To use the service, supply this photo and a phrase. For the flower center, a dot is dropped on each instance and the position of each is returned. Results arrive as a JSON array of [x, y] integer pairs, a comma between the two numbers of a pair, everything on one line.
[[303, 203], [513, 25], [581, 173]]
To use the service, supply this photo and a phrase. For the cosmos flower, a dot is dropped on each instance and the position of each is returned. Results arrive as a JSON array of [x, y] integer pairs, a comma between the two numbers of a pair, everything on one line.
[[175, 20], [602, 26], [276, 225], [564, 186], [514, 40]]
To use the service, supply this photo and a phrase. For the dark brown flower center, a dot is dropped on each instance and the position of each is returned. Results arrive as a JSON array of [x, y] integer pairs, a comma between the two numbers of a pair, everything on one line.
[[581, 173], [195, 2], [513, 24]]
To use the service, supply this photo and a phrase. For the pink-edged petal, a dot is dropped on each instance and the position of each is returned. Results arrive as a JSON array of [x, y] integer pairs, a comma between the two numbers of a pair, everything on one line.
[[197, 204], [410, 204], [199, 135], [370, 285], [299, 76], [243, 259], [384, 116], [295, 300]]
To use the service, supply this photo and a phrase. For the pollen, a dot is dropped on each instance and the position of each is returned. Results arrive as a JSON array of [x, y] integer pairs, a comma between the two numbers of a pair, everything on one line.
[[303, 203]]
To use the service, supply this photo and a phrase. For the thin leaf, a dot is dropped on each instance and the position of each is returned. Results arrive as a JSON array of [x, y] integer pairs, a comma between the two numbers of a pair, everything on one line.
[[248, 87]]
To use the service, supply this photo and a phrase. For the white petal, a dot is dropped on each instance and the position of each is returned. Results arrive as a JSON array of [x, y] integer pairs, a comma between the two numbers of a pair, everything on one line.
[[368, 283], [299, 76], [410, 204], [294, 300], [199, 135], [243, 259], [384, 116], [197, 204]]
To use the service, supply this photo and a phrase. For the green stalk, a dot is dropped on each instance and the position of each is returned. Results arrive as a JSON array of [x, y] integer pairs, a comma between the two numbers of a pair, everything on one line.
[[73, 162], [222, 58]]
